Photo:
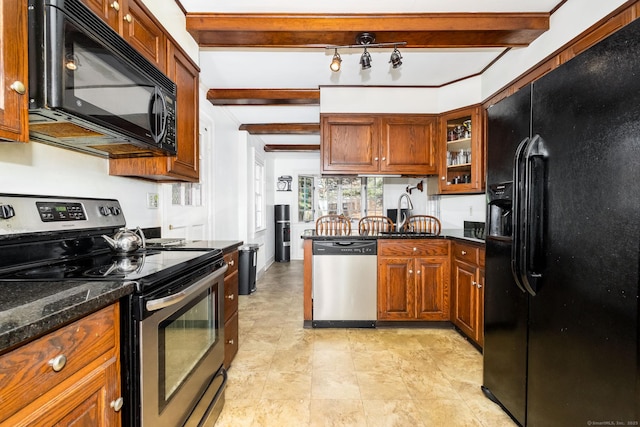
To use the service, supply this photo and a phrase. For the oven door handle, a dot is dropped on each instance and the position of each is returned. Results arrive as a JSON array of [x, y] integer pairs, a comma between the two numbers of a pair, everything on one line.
[[199, 286]]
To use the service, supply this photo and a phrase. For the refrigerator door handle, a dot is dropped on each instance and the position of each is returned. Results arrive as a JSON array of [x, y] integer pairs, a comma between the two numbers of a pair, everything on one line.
[[518, 175], [535, 161]]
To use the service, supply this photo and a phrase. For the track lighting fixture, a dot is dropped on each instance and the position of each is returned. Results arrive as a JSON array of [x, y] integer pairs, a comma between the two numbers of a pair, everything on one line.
[[335, 62], [396, 58], [366, 40], [365, 60]]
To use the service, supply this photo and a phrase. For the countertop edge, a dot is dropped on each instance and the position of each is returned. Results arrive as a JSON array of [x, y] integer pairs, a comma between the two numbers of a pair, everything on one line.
[[446, 234]]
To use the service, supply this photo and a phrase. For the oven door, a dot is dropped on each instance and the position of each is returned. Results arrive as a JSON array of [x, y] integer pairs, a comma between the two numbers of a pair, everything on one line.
[[182, 351]]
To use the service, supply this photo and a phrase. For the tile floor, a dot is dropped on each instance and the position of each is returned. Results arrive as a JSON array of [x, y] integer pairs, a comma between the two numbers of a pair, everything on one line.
[[285, 375]]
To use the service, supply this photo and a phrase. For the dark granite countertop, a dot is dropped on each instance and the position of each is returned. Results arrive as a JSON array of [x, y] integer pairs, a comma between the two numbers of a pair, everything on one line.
[[460, 234], [31, 309]]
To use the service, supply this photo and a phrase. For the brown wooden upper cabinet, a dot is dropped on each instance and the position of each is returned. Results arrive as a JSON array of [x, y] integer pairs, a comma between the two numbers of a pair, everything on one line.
[[133, 21], [461, 139], [14, 120], [378, 144]]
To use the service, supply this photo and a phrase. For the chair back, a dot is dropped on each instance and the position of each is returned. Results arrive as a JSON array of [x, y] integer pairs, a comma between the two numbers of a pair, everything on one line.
[[374, 224], [423, 224], [333, 225]]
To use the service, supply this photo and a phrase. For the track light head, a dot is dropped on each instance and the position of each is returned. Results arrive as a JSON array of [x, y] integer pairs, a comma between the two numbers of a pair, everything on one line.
[[335, 62], [365, 60], [396, 58]]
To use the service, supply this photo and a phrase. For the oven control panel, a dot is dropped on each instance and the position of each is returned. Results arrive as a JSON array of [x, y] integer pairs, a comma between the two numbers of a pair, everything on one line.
[[52, 211], [23, 214]]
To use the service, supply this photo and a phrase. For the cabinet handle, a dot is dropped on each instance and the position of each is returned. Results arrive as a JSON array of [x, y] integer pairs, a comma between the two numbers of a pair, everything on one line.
[[415, 249], [116, 6], [442, 178], [117, 404], [230, 342], [232, 263], [478, 285], [231, 297], [18, 87], [410, 271], [375, 158], [418, 272], [384, 158], [127, 18], [58, 362], [473, 283], [463, 252]]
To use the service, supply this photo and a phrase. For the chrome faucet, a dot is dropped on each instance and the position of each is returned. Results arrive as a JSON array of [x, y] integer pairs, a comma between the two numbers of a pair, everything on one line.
[[400, 217]]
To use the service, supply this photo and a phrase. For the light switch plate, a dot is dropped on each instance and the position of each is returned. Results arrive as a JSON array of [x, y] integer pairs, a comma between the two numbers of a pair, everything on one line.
[[152, 200]]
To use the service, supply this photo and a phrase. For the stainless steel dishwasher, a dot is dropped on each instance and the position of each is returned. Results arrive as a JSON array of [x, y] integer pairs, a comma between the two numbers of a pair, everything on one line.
[[345, 283]]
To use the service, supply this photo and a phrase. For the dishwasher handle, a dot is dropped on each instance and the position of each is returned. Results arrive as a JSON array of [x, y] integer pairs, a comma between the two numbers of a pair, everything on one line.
[[345, 247]]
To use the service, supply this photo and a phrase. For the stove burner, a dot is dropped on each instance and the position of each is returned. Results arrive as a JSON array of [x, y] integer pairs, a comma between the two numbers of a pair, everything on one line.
[[47, 272], [120, 267]]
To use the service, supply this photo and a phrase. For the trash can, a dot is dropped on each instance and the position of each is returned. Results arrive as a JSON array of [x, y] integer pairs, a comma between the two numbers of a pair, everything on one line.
[[247, 262]]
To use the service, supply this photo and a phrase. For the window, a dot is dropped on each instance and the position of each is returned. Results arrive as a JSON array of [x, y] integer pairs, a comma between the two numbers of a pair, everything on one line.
[[351, 197], [259, 200], [305, 198]]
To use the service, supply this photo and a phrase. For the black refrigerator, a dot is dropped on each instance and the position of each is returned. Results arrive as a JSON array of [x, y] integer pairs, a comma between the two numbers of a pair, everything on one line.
[[283, 233], [561, 344]]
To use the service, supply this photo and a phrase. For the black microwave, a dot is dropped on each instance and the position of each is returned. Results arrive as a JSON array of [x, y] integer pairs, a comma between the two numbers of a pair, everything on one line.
[[90, 91]]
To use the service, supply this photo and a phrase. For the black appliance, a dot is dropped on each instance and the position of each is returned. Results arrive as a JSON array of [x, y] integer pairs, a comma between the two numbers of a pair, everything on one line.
[[172, 337], [563, 242], [283, 233], [90, 91]]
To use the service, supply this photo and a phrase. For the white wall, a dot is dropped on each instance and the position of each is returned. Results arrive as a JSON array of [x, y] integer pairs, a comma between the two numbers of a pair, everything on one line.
[[40, 169]]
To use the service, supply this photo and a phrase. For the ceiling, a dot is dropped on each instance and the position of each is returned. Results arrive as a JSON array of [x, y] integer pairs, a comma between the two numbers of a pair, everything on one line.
[[253, 53]]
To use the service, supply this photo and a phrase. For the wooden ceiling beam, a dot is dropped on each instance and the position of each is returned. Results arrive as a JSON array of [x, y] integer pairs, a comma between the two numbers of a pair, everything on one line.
[[291, 147], [282, 128], [264, 96], [419, 30]]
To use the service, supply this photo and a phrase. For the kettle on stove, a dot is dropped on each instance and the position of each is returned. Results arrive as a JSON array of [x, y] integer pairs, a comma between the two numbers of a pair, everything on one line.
[[126, 241]]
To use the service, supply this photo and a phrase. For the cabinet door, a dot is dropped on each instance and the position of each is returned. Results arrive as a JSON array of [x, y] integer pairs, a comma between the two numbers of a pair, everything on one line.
[[144, 33], [14, 119], [432, 288], [108, 10], [350, 144], [396, 289], [408, 145], [461, 151], [465, 304], [185, 74]]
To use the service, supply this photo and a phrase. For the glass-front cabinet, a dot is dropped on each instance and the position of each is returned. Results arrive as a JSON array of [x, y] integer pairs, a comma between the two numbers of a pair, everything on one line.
[[461, 136]]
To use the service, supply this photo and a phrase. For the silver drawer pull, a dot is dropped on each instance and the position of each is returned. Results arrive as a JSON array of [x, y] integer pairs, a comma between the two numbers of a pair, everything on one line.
[[230, 342], [18, 87], [232, 263], [115, 5], [117, 404], [463, 252], [410, 271], [58, 362], [231, 297]]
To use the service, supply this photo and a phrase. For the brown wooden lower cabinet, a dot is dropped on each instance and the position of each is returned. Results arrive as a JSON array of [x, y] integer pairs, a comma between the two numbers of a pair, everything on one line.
[[467, 277], [231, 308], [70, 376], [413, 280]]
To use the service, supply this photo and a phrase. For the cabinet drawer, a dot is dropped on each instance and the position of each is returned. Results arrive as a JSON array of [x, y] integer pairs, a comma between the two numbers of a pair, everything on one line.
[[230, 339], [466, 253], [27, 372], [232, 260], [230, 295], [413, 247]]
